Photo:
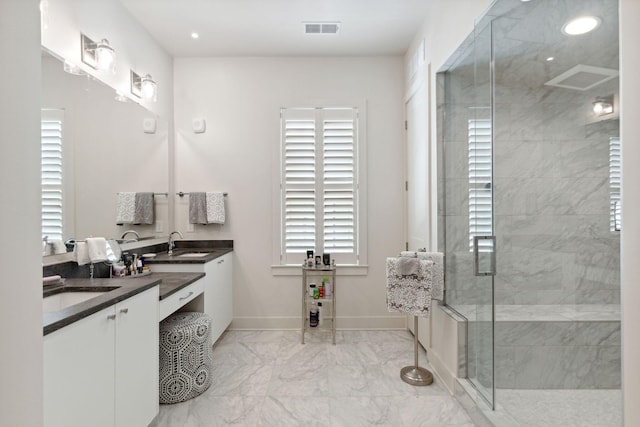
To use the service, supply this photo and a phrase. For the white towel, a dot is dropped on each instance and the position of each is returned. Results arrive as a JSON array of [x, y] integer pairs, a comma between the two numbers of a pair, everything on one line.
[[437, 292], [126, 208], [55, 247], [97, 248], [215, 208], [409, 294], [81, 253]]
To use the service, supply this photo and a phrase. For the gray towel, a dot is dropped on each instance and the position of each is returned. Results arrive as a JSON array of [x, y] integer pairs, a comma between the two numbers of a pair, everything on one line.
[[143, 209], [408, 266], [198, 208], [438, 270]]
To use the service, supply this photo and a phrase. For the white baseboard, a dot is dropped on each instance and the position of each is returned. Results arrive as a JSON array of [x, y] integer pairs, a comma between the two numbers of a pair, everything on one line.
[[344, 323]]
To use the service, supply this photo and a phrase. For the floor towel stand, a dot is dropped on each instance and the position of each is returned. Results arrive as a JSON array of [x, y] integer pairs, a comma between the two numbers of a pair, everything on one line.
[[415, 375]]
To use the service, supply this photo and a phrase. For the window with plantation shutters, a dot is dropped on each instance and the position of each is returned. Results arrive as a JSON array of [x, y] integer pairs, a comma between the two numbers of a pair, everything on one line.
[[615, 207], [319, 183], [51, 173], [480, 186]]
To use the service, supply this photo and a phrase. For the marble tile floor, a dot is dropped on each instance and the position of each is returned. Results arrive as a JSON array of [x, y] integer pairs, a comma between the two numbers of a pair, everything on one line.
[[267, 378]]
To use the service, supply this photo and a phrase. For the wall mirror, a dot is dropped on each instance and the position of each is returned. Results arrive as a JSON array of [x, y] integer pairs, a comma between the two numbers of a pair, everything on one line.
[[105, 150]]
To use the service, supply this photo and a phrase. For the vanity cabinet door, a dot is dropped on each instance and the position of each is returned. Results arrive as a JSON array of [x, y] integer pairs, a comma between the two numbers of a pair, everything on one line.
[[78, 372], [136, 359], [219, 293]]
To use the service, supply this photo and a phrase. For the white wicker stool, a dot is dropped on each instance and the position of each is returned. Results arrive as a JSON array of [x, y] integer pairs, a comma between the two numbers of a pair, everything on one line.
[[185, 356]]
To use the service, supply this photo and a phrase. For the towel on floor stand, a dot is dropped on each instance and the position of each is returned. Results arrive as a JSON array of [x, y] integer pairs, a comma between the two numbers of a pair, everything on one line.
[[411, 281], [409, 293]]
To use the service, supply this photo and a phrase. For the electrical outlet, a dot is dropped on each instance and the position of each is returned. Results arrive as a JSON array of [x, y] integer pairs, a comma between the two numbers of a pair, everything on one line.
[[190, 228], [159, 226]]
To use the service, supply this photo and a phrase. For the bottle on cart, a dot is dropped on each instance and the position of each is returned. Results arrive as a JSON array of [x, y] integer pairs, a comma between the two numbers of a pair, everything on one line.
[[313, 315], [320, 314], [328, 288]]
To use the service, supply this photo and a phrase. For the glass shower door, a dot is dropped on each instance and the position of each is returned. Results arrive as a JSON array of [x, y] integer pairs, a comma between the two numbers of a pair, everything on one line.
[[466, 180]]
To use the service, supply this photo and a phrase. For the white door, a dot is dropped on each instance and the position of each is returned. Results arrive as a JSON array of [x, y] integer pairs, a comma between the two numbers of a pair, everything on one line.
[[418, 170], [418, 182]]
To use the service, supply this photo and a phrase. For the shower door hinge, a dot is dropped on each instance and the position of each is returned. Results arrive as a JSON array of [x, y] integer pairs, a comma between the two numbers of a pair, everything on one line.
[[406, 246], [406, 186], [406, 125]]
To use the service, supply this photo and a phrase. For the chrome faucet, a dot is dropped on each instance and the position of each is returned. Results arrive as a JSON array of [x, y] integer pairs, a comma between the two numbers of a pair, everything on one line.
[[171, 244], [131, 231]]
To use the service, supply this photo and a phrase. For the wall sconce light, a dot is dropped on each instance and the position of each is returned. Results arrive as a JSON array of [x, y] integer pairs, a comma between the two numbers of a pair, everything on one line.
[[603, 106], [143, 87], [100, 56]]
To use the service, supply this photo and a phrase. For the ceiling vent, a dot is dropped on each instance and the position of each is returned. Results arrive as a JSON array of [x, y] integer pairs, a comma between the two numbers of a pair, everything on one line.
[[583, 77], [321, 27]]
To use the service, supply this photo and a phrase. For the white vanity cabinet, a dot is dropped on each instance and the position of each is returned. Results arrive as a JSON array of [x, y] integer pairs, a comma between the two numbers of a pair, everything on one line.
[[218, 288], [103, 370]]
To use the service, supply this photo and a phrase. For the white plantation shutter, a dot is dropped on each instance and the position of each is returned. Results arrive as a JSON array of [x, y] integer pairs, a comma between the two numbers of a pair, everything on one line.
[[319, 183], [480, 186], [51, 173], [299, 184], [339, 182], [615, 208]]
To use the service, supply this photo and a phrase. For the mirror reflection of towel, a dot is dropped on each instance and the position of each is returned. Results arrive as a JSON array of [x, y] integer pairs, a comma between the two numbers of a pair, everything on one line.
[[143, 213], [126, 206]]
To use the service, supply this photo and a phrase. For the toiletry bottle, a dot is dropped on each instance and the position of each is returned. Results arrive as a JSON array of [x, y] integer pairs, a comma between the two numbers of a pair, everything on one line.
[[316, 293], [312, 287], [328, 288], [313, 315], [321, 291], [320, 314]]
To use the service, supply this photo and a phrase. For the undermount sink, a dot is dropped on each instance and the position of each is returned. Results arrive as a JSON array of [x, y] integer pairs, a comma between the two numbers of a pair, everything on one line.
[[63, 300], [193, 255]]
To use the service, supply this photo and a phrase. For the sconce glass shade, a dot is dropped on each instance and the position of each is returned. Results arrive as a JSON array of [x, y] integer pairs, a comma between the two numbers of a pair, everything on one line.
[[143, 87], [105, 55], [602, 107], [149, 88], [100, 56]]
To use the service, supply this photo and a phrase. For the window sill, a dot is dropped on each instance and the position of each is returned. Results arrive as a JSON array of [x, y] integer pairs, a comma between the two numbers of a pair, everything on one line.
[[341, 270]]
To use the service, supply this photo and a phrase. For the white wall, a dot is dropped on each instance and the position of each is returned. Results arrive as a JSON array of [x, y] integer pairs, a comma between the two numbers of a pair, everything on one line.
[[20, 255], [240, 98], [630, 242]]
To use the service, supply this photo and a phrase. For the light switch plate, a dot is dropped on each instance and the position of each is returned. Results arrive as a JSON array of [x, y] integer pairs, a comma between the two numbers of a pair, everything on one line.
[[159, 226], [190, 228]]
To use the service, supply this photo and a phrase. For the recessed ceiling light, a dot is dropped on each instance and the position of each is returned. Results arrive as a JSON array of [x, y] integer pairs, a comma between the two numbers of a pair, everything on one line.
[[551, 58], [194, 35], [581, 25]]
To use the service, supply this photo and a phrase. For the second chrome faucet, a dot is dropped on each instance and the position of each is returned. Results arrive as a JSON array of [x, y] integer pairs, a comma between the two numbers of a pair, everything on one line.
[[171, 244]]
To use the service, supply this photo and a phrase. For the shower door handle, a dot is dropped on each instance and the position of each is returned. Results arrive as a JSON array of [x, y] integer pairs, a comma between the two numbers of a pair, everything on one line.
[[490, 249]]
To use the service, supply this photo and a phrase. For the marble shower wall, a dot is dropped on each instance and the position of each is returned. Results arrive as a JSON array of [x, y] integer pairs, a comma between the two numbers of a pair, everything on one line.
[[551, 163]]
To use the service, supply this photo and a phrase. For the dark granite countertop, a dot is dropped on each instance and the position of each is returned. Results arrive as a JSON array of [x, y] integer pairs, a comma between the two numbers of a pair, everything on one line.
[[212, 248], [116, 290]]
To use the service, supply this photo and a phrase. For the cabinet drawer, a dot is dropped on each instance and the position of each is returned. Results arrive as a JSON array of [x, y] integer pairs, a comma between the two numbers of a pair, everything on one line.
[[180, 298]]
